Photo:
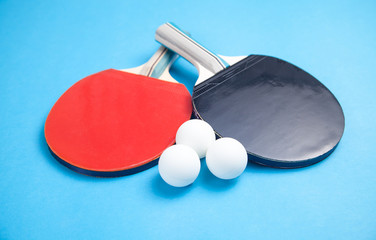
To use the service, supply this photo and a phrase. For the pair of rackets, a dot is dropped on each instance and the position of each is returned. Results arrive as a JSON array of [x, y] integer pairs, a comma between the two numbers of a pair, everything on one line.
[[118, 122]]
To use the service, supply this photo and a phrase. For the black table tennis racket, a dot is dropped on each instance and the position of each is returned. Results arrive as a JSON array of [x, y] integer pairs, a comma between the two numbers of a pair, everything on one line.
[[283, 116]]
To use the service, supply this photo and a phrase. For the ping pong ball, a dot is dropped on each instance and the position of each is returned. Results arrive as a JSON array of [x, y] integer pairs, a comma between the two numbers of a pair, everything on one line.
[[226, 158], [196, 134], [179, 165]]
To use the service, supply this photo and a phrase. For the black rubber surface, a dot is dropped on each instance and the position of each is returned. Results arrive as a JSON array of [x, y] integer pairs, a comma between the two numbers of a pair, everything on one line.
[[283, 116]]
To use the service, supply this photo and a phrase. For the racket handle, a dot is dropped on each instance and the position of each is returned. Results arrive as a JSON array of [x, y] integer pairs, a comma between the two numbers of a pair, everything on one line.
[[160, 62], [205, 61]]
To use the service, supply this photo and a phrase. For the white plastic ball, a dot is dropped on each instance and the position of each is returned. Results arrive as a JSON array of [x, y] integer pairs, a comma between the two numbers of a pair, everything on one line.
[[226, 158], [196, 134], [179, 165]]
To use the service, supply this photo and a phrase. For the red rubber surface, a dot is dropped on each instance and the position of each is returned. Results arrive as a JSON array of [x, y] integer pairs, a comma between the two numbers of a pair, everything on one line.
[[114, 121]]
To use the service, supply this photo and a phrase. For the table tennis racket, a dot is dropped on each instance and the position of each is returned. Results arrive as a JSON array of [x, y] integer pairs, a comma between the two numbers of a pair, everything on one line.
[[118, 122], [283, 116]]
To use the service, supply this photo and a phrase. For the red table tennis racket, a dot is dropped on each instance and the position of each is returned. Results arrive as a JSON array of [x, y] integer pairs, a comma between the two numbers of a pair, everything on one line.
[[118, 122], [283, 116]]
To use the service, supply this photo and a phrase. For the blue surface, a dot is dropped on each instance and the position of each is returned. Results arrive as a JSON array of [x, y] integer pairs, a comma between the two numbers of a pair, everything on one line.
[[46, 46]]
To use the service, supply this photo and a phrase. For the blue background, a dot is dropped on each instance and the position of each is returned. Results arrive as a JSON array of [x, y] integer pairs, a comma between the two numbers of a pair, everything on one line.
[[46, 46]]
